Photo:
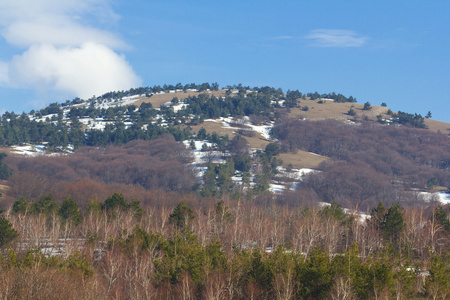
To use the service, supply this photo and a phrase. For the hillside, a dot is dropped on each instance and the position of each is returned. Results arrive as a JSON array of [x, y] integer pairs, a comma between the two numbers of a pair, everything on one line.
[[219, 120]]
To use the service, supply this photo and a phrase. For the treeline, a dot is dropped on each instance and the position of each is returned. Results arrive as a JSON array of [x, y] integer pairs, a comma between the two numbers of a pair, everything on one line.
[[243, 104], [126, 123], [147, 91], [371, 162], [415, 120], [16, 130], [333, 95], [221, 250]]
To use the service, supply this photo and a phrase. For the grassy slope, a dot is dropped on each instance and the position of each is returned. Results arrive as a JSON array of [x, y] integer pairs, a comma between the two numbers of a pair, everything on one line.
[[333, 110], [158, 100]]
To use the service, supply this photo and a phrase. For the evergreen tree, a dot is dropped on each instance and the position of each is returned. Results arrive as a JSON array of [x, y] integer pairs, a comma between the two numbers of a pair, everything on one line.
[[437, 284], [393, 223], [367, 106], [116, 201], [69, 210], [5, 171], [46, 205], [181, 215], [7, 232], [22, 206], [441, 217]]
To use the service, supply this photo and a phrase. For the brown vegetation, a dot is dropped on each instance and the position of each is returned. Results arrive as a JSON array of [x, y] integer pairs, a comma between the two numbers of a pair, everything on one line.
[[141, 165], [371, 162], [230, 250]]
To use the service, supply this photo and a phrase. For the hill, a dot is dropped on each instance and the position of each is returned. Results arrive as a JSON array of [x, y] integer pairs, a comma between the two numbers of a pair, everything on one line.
[[253, 119]]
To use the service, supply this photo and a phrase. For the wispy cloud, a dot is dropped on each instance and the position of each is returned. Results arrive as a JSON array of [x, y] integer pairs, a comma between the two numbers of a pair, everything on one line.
[[335, 38], [64, 47], [283, 37]]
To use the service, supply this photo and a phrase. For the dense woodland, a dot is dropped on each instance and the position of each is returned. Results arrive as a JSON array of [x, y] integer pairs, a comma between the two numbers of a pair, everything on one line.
[[125, 216], [371, 162], [220, 249]]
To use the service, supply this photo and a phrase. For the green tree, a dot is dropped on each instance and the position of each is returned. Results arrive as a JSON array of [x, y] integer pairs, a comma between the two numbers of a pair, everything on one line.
[[315, 276], [181, 215], [441, 217], [377, 216], [7, 232], [224, 174], [46, 205], [69, 210], [393, 223], [136, 208], [271, 150], [367, 106], [437, 285], [94, 207], [116, 201], [22, 206], [334, 210], [5, 171], [351, 112], [210, 181], [182, 253]]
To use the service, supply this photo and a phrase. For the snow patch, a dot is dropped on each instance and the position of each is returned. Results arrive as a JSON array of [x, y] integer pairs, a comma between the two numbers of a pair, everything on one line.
[[441, 197]]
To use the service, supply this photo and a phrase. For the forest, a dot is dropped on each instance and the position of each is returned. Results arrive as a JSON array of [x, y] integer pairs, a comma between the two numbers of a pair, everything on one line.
[[125, 222], [127, 216], [371, 162], [220, 249]]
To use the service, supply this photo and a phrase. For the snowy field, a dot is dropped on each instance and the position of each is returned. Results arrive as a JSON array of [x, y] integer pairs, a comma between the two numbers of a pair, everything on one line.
[[441, 197], [37, 150]]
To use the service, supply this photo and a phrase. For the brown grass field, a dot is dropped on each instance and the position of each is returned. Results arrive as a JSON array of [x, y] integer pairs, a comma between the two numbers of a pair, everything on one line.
[[438, 126], [158, 100], [6, 150], [338, 111], [334, 110]]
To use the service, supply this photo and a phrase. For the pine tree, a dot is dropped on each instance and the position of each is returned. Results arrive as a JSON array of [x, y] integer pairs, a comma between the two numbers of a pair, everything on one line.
[[181, 215], [7, 232], [69, 210], [393, 223]]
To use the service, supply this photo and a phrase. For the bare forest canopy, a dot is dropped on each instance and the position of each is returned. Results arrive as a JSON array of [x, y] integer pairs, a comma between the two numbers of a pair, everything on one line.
[[160, 164], [371, 162], [114, 248]]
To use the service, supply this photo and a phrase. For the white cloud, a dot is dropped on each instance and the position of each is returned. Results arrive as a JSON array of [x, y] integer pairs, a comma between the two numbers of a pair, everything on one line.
[[58, 33], [84, 71], [335, 38], [65, 47]]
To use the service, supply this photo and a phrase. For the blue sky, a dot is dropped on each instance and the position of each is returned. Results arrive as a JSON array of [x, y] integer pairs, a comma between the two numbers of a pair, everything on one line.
[[377, 51]]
